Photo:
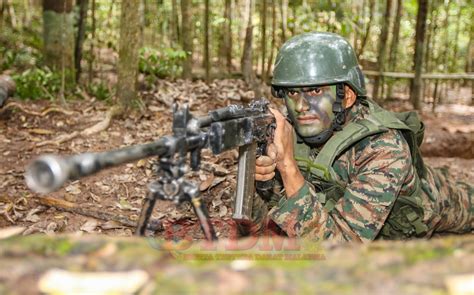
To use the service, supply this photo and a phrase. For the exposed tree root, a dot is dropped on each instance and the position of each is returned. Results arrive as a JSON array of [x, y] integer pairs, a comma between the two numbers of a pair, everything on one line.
[[100, 126], [35, 113], [91, 212]]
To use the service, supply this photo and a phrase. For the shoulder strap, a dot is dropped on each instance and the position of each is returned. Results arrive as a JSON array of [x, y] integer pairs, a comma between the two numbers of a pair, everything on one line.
[[345, 138]]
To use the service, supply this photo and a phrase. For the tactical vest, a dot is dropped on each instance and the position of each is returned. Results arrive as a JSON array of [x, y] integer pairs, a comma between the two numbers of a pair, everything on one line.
[[405, 218]]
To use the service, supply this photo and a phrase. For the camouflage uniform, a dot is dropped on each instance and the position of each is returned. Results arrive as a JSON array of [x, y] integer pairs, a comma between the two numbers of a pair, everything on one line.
[[372, 175]]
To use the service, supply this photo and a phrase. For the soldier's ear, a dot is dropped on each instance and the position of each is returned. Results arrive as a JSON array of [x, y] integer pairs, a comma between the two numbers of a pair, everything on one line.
[[349, 97]]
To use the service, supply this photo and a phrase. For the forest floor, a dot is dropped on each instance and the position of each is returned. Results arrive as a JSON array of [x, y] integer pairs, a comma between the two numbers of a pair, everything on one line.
[[29, 129]]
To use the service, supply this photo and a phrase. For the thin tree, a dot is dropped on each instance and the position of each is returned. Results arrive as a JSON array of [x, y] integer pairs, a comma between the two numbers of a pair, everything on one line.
[[416, 86], [81, 29], [368, 27], [263, 35], [394, 45], [228, 34], [174, 23], [91, 55], [382, 48], [206, 41], [225, 38], [246, 62], [129, 44], [272, 46], [247, 56], [187, 38], [284, 19], [454, 58]]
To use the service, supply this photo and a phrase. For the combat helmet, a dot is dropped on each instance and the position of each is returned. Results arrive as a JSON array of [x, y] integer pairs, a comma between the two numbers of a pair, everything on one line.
[[317, 58]]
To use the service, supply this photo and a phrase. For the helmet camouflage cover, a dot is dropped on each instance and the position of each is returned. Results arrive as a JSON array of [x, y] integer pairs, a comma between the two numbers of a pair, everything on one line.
[[316, 58]]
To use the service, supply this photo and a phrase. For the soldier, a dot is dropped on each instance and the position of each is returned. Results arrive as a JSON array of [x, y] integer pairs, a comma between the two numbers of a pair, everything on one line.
[[344, 168]]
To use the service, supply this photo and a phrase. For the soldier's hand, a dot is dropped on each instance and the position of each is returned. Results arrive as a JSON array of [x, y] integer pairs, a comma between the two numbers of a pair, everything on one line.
[[283, 141], [285, 162], [265, 165]]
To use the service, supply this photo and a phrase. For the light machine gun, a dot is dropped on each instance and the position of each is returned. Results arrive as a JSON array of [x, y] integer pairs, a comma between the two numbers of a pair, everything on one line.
[[247, 128]]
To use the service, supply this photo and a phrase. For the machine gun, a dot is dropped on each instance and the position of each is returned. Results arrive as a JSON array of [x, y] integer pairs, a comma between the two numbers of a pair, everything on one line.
[[247, 128]]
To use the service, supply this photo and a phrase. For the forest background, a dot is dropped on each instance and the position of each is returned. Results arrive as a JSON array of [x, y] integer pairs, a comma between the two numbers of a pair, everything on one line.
[[58, 49]]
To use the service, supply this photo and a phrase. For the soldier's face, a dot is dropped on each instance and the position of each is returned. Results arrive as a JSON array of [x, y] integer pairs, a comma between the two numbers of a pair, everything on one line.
[[310, 108]]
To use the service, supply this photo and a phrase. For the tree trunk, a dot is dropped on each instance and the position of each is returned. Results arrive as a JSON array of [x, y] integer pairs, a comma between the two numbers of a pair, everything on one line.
[[207, 66], [367, 29], [81, 29], [447, 47], [456, 41], [263, 35], [272, 46], [58, 36], [394, 46], [284, 19], [228, 35], [416, 86], [293, 12], [382, 49], [11, 12], [128, 53], [470, 56], [174, 23], [246, 62], [247, 56], [187, 37], [225, 38], [93, 27]]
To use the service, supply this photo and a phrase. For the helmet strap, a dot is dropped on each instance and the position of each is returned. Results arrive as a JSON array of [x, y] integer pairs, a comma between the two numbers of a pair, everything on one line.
[[339, 120]]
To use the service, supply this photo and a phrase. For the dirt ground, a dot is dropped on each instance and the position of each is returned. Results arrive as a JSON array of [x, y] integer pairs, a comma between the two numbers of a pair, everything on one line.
[[29, 129]]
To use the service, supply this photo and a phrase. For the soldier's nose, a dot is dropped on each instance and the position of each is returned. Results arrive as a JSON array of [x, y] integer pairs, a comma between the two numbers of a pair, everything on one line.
[[302, 104]]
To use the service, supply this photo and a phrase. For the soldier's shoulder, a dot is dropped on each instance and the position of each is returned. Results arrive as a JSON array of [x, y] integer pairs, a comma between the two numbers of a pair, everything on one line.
[[389, 142]]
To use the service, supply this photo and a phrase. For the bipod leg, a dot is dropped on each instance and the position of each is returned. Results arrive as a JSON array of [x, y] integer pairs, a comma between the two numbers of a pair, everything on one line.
[[203, 216], [145, 214]]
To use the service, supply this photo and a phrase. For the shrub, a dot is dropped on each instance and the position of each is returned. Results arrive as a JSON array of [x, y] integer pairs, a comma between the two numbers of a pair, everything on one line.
[[162, 63], [37, 83]]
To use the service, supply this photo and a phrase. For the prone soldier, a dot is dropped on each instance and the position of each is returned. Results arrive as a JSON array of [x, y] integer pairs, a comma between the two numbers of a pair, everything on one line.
[[346, 169]]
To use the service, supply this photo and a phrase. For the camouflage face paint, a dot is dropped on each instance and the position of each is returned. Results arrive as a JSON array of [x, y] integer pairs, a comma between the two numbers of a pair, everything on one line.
[[310, 109]]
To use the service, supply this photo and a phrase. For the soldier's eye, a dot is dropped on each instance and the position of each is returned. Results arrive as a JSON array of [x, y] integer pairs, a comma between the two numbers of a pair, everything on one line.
[[292, 93], [315, 92]]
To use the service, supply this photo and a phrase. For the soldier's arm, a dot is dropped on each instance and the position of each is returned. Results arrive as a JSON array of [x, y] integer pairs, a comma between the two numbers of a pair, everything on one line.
[[377, 169]]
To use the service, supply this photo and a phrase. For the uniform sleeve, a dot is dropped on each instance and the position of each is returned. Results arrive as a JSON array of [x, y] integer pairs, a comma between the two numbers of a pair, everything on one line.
[[377, 168]]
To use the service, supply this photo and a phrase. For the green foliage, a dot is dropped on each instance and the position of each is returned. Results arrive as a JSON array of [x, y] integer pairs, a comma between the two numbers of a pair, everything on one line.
[[100, 91], [37, 83], [162, 63]]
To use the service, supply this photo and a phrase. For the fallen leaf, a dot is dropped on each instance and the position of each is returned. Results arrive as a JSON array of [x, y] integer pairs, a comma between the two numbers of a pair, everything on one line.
[[206, 183], [73, 189], [223, 211], [217, 181], [89, 226], [141, 163], [51, 228], [11, 231], [41, 131], [32, 218], [111, 225]]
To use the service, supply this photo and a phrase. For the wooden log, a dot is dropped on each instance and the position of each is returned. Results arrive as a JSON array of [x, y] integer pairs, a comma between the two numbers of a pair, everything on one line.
[[7, 88]]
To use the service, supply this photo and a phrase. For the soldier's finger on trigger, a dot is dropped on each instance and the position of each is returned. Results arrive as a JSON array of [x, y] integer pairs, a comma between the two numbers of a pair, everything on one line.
[[265, 169], [272, 151]]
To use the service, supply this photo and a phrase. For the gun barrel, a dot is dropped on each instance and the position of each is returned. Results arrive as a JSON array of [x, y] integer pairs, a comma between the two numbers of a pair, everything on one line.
[[50, 172]]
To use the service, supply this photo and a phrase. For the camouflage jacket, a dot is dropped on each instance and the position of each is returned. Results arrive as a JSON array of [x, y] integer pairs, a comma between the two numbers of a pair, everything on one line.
[[375, 172]]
